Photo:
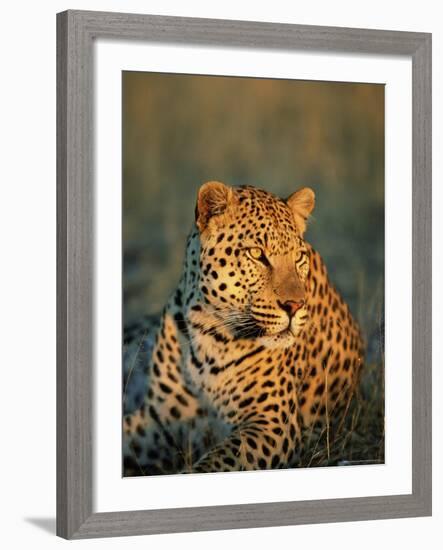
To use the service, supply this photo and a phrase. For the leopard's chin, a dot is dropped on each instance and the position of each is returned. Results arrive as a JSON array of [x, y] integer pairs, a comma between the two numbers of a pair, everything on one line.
[[282, 339]]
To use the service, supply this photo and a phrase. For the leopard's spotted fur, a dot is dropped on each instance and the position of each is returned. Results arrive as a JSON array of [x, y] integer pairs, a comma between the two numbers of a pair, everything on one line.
[[255, 338]]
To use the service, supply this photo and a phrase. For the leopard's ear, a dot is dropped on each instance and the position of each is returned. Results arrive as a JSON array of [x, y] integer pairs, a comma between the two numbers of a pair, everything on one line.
[[213, 200], [302, 203]]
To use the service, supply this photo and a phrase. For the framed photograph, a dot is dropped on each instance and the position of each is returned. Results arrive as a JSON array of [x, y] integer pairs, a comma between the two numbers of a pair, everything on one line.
[[244, 274]]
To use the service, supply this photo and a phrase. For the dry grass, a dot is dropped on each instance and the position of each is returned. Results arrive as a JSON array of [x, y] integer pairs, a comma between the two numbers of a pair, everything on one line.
[[361, 438]]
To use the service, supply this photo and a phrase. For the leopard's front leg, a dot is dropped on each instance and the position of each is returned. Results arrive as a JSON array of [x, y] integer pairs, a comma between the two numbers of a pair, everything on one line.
[[269, 438]]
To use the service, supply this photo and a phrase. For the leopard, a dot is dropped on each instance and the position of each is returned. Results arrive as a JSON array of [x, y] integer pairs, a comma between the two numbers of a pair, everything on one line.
[[255, 344]]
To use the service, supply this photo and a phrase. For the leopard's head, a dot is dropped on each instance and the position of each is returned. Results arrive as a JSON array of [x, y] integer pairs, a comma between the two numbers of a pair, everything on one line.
[[254, 263]]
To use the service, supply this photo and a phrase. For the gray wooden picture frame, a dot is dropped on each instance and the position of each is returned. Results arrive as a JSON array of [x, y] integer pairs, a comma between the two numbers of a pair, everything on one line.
[[76, 32]]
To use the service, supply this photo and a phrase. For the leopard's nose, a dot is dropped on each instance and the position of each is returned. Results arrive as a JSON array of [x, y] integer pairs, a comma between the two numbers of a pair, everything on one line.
[[291, 307]]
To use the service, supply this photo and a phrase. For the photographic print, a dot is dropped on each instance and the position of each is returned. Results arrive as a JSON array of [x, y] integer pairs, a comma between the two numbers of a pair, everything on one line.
[[253, 274]]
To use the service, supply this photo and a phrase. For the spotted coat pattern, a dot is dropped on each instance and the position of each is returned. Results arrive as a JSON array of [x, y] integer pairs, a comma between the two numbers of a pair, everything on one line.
[[255, 337]]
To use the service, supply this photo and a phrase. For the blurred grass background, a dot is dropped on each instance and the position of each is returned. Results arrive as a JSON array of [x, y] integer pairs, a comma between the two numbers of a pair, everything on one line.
[[182, 130]]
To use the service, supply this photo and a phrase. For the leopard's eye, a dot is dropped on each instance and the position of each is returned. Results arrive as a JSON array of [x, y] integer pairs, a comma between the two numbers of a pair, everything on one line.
[[258, 255], [255, 253]]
